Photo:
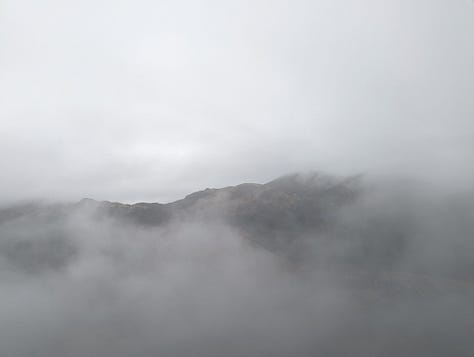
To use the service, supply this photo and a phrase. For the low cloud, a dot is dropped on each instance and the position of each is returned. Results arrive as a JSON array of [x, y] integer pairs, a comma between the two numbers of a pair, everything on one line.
[[390, 276]]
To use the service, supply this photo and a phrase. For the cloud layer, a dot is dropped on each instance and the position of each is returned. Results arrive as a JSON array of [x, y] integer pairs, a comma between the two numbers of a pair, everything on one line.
[[391, 276]]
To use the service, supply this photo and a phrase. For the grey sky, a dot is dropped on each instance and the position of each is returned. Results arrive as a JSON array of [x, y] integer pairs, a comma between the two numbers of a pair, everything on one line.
[[150, 100]]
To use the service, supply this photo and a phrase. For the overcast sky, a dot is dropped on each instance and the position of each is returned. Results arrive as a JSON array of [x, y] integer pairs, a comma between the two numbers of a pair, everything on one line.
[[150, 100]]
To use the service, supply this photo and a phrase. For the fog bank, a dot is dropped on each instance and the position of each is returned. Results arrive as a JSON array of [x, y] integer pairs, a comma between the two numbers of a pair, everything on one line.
[[390, 275]]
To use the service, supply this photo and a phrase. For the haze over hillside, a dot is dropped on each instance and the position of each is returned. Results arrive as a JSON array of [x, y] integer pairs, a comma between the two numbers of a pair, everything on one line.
[[143, 211], [304, 265]]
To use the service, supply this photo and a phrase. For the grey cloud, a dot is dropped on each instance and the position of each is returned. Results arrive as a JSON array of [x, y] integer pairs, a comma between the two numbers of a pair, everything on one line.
[[149, 101], [388, 273]]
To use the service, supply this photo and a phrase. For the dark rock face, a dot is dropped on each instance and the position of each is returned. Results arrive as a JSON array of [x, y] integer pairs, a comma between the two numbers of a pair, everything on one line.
[[152, 214], [291, 206]]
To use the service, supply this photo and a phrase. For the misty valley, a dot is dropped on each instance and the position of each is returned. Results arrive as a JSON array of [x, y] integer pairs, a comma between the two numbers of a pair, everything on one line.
[[304, 265], [284, 178]]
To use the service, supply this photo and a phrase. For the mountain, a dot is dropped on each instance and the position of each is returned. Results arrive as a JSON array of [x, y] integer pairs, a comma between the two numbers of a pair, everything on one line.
[[286, 205], [272, 215], [313, 217]]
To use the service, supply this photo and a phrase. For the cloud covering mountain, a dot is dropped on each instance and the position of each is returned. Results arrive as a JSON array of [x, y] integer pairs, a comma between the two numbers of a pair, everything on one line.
[[302, 265]]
